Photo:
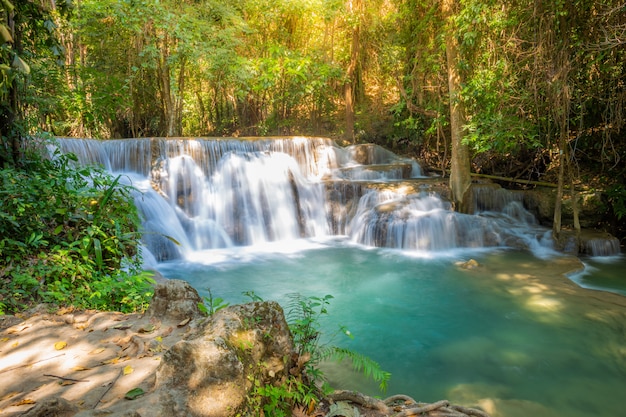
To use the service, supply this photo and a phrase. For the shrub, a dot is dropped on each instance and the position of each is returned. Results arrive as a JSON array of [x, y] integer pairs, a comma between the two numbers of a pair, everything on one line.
[[68, 236], [301, 390]]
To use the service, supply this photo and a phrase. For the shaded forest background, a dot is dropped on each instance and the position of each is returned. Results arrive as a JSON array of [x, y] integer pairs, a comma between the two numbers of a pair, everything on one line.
[[541, 84]]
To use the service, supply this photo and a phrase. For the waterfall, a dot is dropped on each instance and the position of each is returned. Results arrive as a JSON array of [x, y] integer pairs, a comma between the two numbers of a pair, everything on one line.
[[602, 246], [196, 194]]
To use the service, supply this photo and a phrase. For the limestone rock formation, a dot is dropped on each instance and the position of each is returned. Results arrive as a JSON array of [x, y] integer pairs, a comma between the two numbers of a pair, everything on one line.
[[210, 374], [212, 371], [176, 299]]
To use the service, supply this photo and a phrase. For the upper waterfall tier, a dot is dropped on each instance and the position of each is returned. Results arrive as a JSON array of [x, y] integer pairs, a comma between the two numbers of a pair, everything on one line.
[[317, 157], [206, 193]]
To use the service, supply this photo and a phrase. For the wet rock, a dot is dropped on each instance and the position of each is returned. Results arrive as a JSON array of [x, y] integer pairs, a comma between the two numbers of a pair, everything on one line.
[[592, 210], [175, 299], [600, 244], [471, 264]]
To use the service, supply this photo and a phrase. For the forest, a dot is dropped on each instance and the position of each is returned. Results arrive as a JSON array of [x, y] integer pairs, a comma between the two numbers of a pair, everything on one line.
[[528, 91], [525, 94]]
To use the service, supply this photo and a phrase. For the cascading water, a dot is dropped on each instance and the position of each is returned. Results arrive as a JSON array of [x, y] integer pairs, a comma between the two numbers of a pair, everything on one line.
[[242, 192], [510, 335]]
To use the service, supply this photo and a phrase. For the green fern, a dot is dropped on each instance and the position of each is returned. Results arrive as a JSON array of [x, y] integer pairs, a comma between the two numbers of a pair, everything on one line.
[[361, 363], [303, 317]]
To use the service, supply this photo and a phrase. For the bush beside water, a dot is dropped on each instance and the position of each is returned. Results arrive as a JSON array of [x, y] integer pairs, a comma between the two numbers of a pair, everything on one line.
[[68, 236]]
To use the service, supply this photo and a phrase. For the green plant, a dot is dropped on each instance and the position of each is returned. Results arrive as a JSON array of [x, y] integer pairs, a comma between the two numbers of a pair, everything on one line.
[[252, 295], [300, 389], [280, 400], [68, 235], [303, 316], [211, 305], [617, 198]]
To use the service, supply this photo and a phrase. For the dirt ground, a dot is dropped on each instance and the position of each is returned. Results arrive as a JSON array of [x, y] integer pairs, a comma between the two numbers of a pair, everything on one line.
[[93, 359]]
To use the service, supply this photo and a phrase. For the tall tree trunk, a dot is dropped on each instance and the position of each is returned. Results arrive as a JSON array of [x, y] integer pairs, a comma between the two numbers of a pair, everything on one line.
[[349, 87], [171, 101], [558, 203], [460, 179], [11, 137], [558, 74], [163, 75]]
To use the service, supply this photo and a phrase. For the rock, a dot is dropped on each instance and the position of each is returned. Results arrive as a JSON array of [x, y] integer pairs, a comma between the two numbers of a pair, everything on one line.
[[471, 264], [342, 409], [174, 299], [592, 209], [210, 374], [213, 370], [52, 407]]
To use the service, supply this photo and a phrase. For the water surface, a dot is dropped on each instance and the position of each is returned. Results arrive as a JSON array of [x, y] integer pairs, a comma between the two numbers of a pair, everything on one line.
[[513, 335]]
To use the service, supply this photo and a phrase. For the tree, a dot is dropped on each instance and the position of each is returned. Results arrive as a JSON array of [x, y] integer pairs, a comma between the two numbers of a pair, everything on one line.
[[355, 10], [27, 52], [460, 179], [8, 76]]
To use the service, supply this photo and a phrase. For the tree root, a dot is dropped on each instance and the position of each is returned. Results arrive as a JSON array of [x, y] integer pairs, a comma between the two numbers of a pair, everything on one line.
[[360, 399], [405, 406]]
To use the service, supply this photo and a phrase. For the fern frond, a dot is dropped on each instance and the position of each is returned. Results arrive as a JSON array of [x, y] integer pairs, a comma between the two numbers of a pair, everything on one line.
[[361, 363]]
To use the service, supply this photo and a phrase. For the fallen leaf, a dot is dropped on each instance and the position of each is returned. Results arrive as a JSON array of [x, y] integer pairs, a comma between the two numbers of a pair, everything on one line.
[[97, 351], [65, 310], [158, 339], [4, 339], [134, 393], [184, 322], [122, 326], [23, 402], [15, 344], [80, 368], [127, 370], [112, 361], [64, 383], [60, 345]]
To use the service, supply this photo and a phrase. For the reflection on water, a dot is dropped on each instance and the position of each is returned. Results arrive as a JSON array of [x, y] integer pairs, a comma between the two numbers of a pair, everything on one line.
[[513, 335]]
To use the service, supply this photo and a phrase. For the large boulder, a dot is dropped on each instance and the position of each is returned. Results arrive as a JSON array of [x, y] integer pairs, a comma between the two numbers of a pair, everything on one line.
[[214, 369], [211, 373]]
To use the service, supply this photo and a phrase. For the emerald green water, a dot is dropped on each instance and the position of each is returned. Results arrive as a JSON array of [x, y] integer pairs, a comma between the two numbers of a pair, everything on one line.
[[513, 335]]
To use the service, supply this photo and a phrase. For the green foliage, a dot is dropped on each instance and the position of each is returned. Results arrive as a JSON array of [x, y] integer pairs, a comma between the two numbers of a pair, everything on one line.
[[303, 316], [68, 236], [616, 195], [361, 363], [280, 400], [210, 305]]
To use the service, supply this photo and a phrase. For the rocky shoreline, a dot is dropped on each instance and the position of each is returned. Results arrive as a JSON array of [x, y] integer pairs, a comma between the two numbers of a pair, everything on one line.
[[170, 361]]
